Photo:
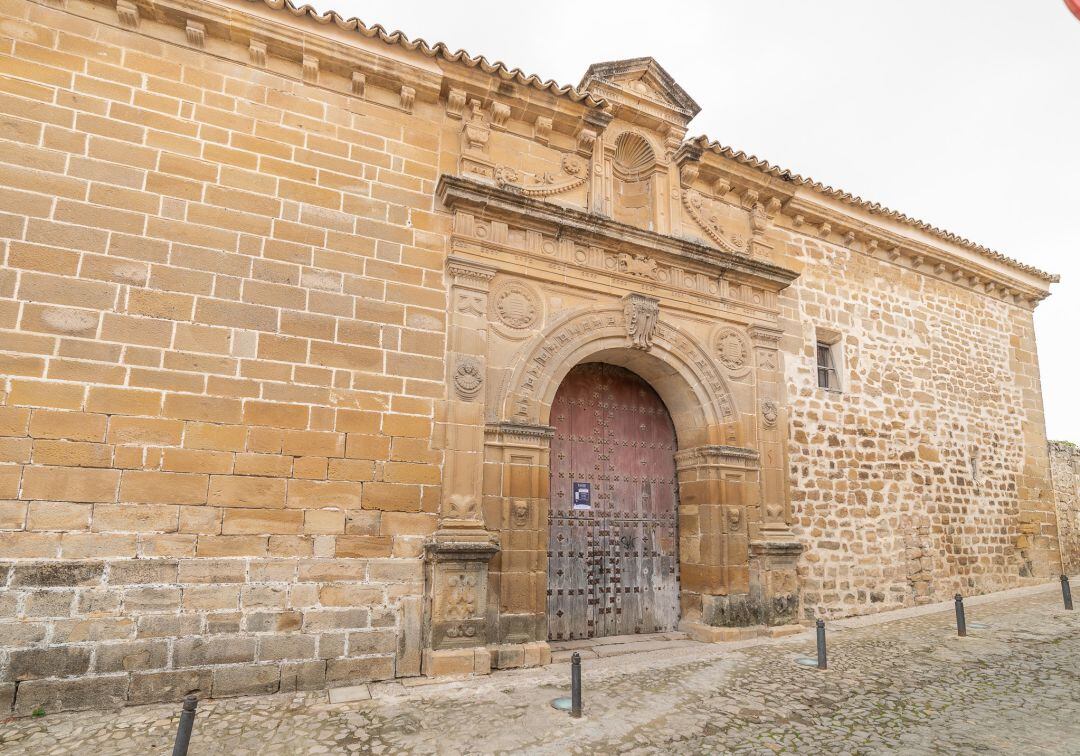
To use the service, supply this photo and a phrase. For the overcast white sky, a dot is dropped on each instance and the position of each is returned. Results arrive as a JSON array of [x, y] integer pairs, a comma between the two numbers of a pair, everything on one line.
[[964, 113]]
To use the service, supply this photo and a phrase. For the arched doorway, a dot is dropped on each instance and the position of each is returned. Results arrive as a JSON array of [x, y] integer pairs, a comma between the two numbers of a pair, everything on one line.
[[613, 565]]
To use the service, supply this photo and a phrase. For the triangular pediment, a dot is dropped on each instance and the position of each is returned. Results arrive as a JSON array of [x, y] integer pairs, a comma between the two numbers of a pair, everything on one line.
[[641, 78]]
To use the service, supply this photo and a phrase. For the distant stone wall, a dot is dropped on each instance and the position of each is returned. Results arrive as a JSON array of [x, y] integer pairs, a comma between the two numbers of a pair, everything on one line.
[[1065, 466], [927, 473]]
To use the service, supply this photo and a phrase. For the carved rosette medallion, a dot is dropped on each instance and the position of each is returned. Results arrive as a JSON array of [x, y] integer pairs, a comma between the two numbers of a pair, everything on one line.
[[733, 351], [468, 378], [515, 305], [641, 314], [769, 413]]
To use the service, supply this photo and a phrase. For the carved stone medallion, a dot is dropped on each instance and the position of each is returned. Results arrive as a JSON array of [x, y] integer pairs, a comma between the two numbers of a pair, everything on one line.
[[732, 350], [515, 305], [769, 413], [734, 516], [468, 378], [521, 512]]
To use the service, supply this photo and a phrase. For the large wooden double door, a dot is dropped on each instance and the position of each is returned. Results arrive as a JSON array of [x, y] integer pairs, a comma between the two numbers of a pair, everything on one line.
[[613, 566]]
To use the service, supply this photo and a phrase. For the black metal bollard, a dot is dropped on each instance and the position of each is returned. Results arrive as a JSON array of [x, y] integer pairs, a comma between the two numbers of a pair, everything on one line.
[[822, 660], [575, 685], [183, 730], [961, 622], [1066, 592]]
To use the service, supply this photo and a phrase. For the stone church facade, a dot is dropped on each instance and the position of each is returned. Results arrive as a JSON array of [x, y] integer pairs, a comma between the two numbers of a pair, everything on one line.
[[331, 357]]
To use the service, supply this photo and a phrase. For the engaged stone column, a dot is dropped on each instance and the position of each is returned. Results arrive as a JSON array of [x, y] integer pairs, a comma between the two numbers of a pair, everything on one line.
[[458, 553]]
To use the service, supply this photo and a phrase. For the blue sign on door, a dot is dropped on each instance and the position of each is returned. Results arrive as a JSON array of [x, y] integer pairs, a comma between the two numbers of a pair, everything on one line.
[[582, 496]]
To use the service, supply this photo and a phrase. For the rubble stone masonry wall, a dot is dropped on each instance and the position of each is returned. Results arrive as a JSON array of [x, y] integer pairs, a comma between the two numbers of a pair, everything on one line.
[[222, 324], [1065, 466], [927, 472]]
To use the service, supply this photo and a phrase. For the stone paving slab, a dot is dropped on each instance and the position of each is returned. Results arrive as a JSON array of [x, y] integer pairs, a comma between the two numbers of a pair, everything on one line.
[[906, 686]]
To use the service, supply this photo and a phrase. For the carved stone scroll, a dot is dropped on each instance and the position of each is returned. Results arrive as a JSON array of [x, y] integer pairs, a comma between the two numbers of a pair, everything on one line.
[[700, 210]]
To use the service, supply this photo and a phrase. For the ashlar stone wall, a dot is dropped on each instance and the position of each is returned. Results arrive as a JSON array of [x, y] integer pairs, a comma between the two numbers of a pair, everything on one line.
[[911, 482], [222, 328]]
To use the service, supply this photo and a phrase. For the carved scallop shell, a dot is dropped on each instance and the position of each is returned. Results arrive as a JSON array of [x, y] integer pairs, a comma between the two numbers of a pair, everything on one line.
[[633, 155]]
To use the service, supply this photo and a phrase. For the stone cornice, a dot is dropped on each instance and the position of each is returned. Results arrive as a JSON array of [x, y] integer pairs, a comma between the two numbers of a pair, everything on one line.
[[506, 430], [798, 209], [786, 185], [803, 214], [460, 193], [716, 455]]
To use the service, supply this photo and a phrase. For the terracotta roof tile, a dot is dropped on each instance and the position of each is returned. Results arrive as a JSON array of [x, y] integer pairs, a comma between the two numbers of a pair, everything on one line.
[[438, 50], [875, 208]]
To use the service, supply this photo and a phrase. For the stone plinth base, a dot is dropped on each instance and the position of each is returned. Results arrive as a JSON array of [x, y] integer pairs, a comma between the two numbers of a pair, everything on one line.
[[457, 661], [703, 633], [514, 655]]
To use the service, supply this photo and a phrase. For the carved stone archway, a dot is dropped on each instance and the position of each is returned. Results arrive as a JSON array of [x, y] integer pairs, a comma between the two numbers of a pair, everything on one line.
[[719, 478], [672, 362]]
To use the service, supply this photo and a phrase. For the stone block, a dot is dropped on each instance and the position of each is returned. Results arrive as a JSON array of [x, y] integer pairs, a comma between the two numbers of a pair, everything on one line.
[[193, 652], [537, 654], [142, 571], [345, 672], [248, 680], [331, 619], [509, 656], [15, 634], [167, 625], [173, 685], [155, 599], [350, 694], [456, 661], [410, 638], [306, 675], [131, 656], [372, 642], [71, 695], [709, 634], [287, 646], [269, 622], [55, 661], [57, 574]]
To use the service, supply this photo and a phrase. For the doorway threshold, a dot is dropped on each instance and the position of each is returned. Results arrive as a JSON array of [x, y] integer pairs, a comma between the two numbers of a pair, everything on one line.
[[618, 645]]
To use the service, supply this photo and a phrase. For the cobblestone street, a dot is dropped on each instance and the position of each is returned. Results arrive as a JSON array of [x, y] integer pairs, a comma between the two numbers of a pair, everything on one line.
[[903, 686]]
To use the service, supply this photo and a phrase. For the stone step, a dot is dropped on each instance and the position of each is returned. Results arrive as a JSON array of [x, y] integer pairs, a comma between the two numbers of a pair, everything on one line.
[[604, 650]]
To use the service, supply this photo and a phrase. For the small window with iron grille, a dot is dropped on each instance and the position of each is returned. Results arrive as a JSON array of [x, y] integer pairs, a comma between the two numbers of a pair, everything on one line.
[[828, 360]]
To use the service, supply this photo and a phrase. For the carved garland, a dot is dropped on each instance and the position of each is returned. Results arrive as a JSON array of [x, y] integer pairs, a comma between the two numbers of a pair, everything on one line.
[[696, 207], [547, 184]]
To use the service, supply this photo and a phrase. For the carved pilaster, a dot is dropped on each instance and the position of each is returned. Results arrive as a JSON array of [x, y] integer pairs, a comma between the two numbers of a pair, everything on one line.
[[772, 430], [458, 553], [466, 380]]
